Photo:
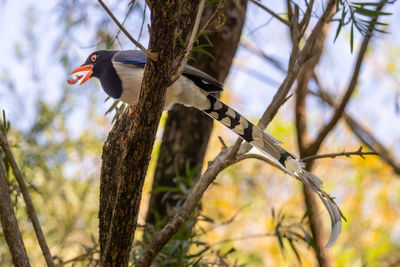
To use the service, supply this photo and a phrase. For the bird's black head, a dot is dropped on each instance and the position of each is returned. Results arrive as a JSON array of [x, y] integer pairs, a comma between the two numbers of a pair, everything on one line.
[[95, 65]]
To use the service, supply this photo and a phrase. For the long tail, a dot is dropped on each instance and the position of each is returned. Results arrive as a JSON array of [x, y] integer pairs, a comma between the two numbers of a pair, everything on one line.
[[271, 147]]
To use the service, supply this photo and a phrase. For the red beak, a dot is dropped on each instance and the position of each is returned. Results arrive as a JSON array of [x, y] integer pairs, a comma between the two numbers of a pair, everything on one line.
[[87, 68]]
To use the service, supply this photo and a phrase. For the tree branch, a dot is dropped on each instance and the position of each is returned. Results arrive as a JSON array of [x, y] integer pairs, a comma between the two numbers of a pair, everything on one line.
[[295, 63], [299, 60], [9, 223], [217, 9], [178, 71], [153, 56], [272, 13], [341, 154], [350, 89], [223, 160], [363, 134], [27, 198], [136, 151], [82, 257]]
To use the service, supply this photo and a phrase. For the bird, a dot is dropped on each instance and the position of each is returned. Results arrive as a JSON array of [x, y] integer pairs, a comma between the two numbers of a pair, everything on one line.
[[120, 73]]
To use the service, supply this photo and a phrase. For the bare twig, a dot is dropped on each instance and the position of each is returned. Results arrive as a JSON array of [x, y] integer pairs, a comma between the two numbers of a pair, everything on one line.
[[222, 142], [28, 201], [217, 9], [295, 62], [283, 90], [261, 54], [363, 134], [178, 71], [227, 156], [272, 13], [306, 19], [152, 55], [359, 152], [81, 257], [350, 89], [9, 223], [262, 158], [223, 160], [123, 22]]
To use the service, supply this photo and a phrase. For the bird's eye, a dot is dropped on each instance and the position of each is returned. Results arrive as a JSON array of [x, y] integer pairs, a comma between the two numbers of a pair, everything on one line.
[[93, 58]]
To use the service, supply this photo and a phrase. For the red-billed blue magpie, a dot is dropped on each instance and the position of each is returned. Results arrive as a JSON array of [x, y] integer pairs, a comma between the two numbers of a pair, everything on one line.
[[120, 74]]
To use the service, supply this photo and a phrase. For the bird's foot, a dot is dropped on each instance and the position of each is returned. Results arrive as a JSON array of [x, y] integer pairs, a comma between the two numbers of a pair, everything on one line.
[[133, 107]]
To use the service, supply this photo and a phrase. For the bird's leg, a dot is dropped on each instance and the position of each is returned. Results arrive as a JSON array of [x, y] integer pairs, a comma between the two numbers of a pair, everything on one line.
[[133, 108]]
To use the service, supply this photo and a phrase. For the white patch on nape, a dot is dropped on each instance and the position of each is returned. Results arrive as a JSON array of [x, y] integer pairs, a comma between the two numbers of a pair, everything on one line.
[[131, 78]]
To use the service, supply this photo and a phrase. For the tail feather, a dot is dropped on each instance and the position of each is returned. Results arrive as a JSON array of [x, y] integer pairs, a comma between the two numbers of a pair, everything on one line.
[[271, 147]]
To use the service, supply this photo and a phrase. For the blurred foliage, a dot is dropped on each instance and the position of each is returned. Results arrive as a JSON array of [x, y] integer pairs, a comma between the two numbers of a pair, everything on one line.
[[250, 215], [359, 15]]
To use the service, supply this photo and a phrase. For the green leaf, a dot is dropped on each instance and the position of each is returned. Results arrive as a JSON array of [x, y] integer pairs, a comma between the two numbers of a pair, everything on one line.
[[112, 107], [352, 38], [202, 50], [294, 249], [370, 13], [160, 189]]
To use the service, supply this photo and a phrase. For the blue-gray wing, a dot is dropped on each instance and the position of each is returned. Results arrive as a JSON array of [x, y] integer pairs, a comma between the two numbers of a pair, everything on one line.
[[132, 57], [201, 79]]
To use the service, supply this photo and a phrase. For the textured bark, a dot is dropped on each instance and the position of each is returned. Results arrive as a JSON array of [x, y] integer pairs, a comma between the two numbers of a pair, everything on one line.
[[126, 153], [127, 163], [109, 179], [9, 223], [187, 130]]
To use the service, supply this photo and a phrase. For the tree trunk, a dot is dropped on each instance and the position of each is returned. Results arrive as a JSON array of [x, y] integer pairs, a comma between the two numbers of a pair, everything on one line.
[[127, 151], [187, 130]]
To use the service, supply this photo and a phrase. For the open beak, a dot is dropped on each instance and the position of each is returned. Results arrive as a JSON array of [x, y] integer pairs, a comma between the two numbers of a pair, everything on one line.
[[88, 68]]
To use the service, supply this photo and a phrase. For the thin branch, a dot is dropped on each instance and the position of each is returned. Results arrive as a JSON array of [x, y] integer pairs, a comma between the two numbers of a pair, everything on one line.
[[341, 154], [283, 90], [363, 134], [182, 64], [9, 223], [217, 9], [272, 13], [295, 62], [258, 52], [123, 22], [81, 257], [152, 55], [28, 201], [352, 85], [306, 19], [223, 160], [242, 157], [227, 156], [222, 142]]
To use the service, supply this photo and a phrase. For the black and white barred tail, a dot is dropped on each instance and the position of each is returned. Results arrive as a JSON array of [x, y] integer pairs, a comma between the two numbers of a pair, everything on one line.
[[271, 148]]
